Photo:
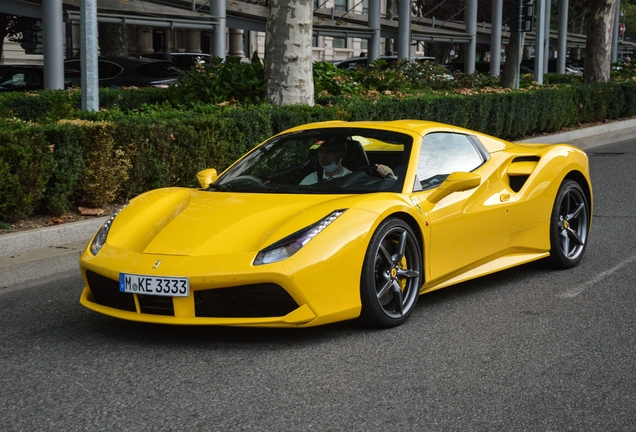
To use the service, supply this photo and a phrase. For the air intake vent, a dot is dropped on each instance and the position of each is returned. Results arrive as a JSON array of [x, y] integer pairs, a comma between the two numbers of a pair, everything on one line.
[[520, 169], [156, 305], [106, 292], [247, 301]]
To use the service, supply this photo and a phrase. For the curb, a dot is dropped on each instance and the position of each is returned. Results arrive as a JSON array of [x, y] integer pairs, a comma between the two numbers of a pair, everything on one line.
[[38, 263], [591, 137], [42, 252], [54, 236], [29, 255]]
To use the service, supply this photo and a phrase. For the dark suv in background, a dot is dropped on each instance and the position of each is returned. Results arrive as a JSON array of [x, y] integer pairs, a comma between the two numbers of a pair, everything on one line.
[[112, 72], [184, 61], [21, 78], [354, 62], [127, 72]]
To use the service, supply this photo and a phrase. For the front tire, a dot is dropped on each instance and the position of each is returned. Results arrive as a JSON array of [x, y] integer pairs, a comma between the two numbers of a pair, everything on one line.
[[569, 226], [391, 275]]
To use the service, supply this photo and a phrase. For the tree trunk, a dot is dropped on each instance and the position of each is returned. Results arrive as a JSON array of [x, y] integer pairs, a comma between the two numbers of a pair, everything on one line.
[[598, 45], [288, 58], [113, 39], [513, 51]]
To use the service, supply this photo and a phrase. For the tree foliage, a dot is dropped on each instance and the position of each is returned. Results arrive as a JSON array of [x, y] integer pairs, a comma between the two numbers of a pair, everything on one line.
[[629, 19], [14, 27]]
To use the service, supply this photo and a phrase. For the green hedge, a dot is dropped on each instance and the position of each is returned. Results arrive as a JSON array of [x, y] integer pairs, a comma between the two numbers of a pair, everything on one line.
[[68, 168], [52, 105], [26, 161], [139, 141], [505, 114]]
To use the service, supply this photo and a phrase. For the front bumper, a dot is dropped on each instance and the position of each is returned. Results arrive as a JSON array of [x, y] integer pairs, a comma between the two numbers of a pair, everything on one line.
[[228, 291], [301, 316]]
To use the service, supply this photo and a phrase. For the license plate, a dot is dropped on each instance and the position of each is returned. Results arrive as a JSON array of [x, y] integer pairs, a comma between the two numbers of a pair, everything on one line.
[[154, 285]]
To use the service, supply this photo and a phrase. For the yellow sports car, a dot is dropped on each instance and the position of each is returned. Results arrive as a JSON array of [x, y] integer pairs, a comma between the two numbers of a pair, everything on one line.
[[334, 221]]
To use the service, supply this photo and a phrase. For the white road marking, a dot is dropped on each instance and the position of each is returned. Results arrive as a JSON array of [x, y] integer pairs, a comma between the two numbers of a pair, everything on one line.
[[578, 290]]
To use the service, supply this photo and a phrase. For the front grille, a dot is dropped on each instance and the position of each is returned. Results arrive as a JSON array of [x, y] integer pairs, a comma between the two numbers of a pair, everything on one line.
[[156, 305], [106, 292], [247, 301]]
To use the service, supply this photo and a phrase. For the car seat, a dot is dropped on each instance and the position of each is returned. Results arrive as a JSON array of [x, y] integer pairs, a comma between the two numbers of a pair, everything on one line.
[[355, 156]]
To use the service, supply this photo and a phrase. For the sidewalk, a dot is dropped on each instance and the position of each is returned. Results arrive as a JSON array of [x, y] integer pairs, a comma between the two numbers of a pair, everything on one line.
[[29, 255]]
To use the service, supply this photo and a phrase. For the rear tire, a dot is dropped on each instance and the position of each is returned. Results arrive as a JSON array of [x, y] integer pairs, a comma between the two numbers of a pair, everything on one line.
[[391, 275], [569, 226]]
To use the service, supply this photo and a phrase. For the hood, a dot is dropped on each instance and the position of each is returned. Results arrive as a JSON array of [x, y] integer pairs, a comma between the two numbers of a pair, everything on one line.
[[192, 222]]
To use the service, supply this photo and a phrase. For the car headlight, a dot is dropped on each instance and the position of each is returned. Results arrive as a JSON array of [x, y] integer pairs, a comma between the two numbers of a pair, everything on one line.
[[100, 238], [291, 244]]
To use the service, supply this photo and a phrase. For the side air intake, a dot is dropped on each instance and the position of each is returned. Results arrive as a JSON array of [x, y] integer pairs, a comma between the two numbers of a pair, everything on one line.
[[520, 169]]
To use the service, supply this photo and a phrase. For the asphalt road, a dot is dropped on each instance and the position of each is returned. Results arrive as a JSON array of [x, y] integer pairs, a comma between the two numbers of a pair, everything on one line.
[[526, 349]]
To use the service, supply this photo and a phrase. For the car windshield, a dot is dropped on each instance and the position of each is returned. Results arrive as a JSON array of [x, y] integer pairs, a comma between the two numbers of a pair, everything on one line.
[[12, 81], [291, 163]]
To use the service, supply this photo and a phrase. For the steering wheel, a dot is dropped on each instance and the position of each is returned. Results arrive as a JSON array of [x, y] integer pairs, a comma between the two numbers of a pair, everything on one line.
[[371, 169]]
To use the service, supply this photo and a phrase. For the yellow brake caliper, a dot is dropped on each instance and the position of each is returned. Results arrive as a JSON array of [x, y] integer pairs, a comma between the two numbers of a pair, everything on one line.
[[402, 281]]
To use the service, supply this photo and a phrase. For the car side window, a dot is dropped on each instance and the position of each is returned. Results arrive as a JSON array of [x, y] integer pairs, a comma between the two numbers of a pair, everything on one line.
[[108, 70], [443, 153], [11, 81]]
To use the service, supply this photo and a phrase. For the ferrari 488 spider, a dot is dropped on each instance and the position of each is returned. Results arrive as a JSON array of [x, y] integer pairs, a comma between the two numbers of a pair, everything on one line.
[[333, 221]]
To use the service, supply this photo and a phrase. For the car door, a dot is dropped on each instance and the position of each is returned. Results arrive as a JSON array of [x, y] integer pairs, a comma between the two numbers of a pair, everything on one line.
[[467, 227]]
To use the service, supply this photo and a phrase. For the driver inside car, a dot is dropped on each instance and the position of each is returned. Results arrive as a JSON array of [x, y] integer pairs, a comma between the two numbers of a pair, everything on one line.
[[330, 156]]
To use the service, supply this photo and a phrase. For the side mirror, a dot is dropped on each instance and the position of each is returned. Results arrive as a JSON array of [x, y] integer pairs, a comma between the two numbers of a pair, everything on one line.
[[206, 177], [455, 182]]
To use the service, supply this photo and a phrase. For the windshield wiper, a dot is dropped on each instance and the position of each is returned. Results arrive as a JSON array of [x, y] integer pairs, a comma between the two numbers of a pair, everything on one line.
[[218, 187]]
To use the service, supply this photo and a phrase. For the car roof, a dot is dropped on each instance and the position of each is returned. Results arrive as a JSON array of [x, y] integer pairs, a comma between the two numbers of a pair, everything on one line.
[[385, 57], [22, 66], [122, 59], [420, 127], [189, 54], [417, 126]]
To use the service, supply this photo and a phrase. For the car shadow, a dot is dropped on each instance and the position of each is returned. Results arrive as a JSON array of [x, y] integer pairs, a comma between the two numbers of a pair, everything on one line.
[[492, 282], [146, 334]]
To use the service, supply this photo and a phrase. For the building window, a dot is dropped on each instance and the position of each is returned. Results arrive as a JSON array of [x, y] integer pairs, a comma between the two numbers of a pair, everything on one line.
[[339, 42], [340, 5], [365, 7]]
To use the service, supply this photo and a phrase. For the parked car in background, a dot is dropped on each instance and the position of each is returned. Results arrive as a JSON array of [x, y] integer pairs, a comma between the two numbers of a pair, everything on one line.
[[21, 77], [184, 61], [577, 65], [527, 66], [481, 67], [354, 62], [127, 72]]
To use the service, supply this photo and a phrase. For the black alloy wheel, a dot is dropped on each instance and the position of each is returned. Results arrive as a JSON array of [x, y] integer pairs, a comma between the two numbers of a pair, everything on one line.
[[391, 275], [569, 225]]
